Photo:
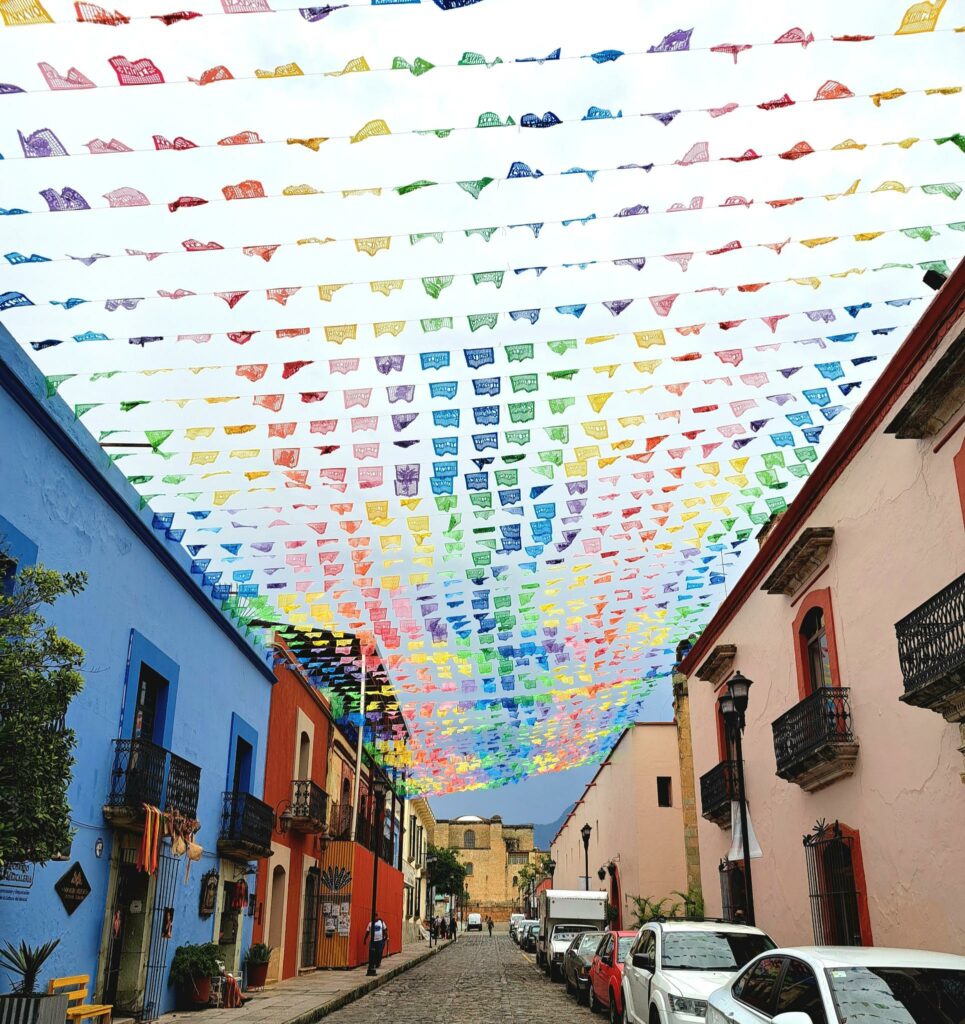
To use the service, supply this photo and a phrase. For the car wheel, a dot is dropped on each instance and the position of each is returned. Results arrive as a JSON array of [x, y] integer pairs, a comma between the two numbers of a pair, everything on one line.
[[654, 1015], [615, 1016]]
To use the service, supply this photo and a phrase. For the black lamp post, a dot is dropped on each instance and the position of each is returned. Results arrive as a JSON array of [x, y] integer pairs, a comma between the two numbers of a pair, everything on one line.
[[733, 705], [585, 832], [379, 788], [430, 902], [551, 867]]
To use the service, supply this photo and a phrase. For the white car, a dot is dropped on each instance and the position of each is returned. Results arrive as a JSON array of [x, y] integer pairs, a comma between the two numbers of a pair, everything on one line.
[[673, 966], [515, 920], [838, 984], [474, 923]]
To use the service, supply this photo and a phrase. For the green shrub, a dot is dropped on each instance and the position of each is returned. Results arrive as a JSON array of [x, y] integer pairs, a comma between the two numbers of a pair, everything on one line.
[[194, 961]]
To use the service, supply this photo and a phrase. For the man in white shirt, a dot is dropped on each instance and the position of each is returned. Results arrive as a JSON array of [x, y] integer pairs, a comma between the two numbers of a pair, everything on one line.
[[377, 935]]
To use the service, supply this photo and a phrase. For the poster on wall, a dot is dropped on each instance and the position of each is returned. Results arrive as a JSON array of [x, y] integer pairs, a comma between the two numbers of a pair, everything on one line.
[[344, 918], [330, 918]]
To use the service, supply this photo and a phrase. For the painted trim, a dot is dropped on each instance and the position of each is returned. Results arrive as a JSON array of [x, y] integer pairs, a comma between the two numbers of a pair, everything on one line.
[[959, 463], [34, 408], [17, 545], [143, 652], [240, 729], [924, 338], [814, 599]]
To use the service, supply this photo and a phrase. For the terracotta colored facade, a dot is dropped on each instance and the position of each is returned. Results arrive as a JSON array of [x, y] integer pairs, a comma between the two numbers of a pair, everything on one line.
[[300, 733], [858, 707], [636, 842]]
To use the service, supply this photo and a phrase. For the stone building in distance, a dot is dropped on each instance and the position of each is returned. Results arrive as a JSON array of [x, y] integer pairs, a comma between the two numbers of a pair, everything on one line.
[[493, 854]]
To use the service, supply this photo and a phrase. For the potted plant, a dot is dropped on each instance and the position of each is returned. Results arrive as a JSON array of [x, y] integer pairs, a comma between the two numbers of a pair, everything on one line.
[[192, 969], [25, 1004], [256, 963]]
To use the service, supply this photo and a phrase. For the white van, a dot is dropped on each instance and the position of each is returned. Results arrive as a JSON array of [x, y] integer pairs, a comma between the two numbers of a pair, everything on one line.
[[515, 920], [474, 923]]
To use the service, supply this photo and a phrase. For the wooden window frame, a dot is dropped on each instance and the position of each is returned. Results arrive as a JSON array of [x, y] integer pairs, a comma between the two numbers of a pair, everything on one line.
[[815, 599]]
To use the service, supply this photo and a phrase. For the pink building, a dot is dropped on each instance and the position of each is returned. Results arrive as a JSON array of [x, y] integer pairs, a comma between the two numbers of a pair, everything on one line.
[[851, 623], [633, 806]]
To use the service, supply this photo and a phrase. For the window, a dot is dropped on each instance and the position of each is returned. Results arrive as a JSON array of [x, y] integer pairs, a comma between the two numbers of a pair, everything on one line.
[[469, 868], [733, 895], [663, 791], [800, 993], [815, 649], [515, 881], [916, 995], [304, 756], [818, 658], [469, 839], [756, 987], [711, 951], [839, 902]]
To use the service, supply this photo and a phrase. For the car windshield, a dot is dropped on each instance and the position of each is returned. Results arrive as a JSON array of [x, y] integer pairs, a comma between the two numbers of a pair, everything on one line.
[[626, 941], [711, 951], [567, 932], [590, 942], [898, 995]]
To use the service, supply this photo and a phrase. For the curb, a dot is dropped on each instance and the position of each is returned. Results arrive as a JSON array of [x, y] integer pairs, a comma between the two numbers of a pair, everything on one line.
[[324, 1009]]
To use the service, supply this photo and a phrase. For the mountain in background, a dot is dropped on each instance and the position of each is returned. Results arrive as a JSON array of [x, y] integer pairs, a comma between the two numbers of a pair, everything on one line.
[[543, 835]]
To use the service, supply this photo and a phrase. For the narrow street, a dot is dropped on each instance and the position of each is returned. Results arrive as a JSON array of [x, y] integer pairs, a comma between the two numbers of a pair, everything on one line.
[[479, 980]]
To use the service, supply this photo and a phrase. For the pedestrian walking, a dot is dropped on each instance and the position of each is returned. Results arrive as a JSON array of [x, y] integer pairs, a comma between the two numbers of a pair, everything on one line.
[[489, 925], [452, 927], [378, 930]]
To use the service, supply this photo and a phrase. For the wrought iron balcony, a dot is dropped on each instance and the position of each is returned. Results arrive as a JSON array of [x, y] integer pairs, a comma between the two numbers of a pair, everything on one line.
[[931, 652], [246, 827], [718, 788], [340, 821], [183, 786], [144, 773], [309, 806], [814, 742], [137, 778]]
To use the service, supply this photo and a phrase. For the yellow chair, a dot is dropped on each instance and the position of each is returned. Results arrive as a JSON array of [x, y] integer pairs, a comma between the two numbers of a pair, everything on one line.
[[77, 1009]]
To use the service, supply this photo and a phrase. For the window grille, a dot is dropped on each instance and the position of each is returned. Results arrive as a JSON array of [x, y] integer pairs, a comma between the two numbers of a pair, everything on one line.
[[733, 896], [836, 900]]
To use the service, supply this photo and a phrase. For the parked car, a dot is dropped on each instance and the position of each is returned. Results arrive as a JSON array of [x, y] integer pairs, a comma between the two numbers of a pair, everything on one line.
[[474, 923], [673, 966], [606, 974], [530, 933], [835, 984], [514, 921], [577, 960]]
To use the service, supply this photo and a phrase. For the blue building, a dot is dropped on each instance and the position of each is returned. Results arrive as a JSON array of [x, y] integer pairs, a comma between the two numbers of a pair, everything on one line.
[[173, 716]]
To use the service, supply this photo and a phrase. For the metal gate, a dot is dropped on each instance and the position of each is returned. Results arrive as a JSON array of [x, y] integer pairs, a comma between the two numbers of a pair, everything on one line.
[[161, 929], [310, 918], [733, 895], [833, 890]]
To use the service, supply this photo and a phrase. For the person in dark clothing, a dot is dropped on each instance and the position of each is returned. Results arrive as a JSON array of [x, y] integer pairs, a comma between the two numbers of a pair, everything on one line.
[[379, 937], [489, 924], [452, 926]]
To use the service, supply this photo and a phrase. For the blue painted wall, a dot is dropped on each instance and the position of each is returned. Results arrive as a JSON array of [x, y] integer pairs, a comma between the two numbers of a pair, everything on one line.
[[133, 605]]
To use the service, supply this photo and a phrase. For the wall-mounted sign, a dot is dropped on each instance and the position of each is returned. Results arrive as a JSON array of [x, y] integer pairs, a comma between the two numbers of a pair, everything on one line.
[[16, 881], [209, 894], [73, 887]]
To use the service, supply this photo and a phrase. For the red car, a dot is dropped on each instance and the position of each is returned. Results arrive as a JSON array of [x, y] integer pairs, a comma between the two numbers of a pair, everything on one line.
[[606, 975]]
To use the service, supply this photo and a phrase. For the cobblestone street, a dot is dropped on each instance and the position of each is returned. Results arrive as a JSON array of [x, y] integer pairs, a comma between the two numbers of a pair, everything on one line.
[[478, 980]]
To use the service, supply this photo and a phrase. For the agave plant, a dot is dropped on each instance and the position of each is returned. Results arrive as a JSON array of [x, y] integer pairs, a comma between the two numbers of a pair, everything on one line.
[[25, 962]]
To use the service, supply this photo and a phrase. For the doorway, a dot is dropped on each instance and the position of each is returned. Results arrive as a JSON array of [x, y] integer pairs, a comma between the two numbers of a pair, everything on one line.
[[276, 921], [229, 926], [310, 919]]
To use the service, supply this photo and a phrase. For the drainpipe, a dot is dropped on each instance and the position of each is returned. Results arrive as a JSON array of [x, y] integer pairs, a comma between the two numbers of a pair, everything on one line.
[[358, 754]]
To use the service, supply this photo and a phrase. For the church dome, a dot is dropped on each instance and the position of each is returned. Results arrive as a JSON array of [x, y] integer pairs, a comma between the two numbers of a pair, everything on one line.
[[470, 819]]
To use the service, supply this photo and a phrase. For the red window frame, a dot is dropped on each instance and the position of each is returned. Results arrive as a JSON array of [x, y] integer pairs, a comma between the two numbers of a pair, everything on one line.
[[815, 599]]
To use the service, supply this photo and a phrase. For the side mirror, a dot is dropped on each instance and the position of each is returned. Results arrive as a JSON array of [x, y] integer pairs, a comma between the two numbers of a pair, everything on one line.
[[644, 962], [794, 1017]]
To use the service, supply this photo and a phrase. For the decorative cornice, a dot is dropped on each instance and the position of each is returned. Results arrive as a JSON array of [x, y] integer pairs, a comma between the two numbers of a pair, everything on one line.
[[805, 556], [718, 662], [936, 400]]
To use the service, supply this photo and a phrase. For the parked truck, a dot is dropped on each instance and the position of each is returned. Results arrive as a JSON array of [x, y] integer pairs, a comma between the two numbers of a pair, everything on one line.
[[562, 914]]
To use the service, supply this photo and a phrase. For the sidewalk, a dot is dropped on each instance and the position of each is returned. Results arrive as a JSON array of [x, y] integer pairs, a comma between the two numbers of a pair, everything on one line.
[[308, 998]]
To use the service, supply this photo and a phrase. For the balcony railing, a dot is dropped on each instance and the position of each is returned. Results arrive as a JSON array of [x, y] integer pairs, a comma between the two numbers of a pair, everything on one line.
[[340, 821], [183, 786], [144, 773], [246, 827], [309, 806], [340, 827], [718, 788], [814, 742], [931, 652]]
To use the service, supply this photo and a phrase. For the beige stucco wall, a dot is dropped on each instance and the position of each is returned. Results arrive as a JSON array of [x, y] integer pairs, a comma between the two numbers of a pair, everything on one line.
[[645, 841], [899, 538]]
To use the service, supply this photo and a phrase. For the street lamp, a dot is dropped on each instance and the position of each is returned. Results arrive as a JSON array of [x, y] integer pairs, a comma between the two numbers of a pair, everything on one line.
[[551, 867], [585, 832], [733, 705], [379, 788]]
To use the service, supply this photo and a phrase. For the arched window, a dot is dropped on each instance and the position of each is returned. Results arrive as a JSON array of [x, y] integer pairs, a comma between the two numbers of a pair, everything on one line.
[[814, 636], [468, 868], [304, 756], [469, 839], [815, 648], [515, 881]]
